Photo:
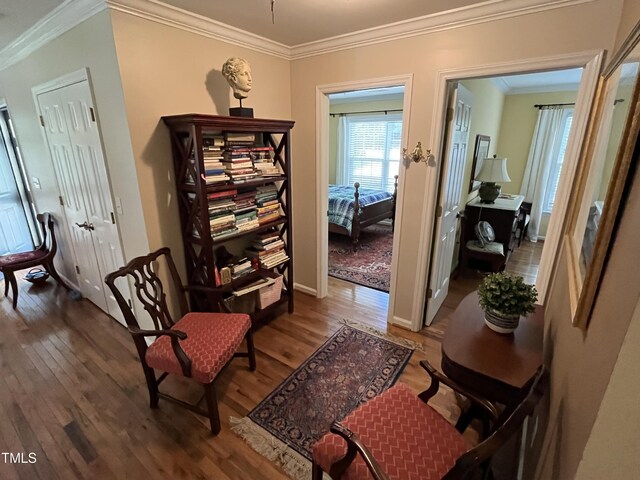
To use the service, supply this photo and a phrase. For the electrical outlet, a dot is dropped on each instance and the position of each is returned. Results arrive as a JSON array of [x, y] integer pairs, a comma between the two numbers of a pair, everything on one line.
[[35, 181]]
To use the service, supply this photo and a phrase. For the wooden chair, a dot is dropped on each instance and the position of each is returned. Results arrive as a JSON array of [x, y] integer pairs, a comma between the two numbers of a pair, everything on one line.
[[198, 346], [523, 221], [43, 255], [491, 259], [397, 435]]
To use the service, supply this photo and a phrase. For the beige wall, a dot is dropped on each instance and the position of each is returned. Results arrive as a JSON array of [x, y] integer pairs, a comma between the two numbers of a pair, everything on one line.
[[486, 114], [505, 40], [582, 364], [90, 44], [368, 106], [167, 71]]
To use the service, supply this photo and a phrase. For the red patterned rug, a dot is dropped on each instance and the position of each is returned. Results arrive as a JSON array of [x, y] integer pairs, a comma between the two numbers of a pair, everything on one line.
[[350, 368], [370, 265]]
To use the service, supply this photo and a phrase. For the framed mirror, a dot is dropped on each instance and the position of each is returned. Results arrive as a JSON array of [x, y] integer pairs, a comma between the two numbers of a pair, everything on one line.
[[480, 152], [606, 161]]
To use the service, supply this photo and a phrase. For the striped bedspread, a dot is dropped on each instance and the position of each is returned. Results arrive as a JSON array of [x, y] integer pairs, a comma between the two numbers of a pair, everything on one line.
[[341, 203]]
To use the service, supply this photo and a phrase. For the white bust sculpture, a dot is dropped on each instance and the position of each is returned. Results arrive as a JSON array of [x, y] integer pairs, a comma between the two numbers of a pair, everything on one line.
[[237, 71]]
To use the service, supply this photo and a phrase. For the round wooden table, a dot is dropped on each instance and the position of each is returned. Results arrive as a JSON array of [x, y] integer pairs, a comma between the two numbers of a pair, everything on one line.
[[494, 365]]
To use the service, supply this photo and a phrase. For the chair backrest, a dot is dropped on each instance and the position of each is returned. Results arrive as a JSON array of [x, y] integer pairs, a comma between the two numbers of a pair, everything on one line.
[[47, 224], [508, 425], [148, 288]]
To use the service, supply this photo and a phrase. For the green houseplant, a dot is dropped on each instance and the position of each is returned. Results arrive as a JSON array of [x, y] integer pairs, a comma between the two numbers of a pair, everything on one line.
[[504, 299]]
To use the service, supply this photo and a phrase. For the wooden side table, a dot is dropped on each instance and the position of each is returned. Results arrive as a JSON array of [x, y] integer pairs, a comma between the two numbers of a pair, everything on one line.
[[494, 365]]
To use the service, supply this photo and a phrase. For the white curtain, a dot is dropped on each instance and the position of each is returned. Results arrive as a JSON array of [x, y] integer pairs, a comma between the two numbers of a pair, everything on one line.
[[342, 175], [544, 146]]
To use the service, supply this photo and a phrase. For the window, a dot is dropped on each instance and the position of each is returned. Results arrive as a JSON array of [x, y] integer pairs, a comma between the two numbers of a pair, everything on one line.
[[556, 161], [371, 150]]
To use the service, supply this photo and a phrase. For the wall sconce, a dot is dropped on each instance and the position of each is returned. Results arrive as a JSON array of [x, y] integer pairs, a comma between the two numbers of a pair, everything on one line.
[[417, 155]]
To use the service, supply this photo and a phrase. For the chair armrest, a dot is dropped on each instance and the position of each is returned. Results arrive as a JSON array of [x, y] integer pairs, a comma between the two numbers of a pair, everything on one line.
[[437, 378], [354, 445], [175, 336]]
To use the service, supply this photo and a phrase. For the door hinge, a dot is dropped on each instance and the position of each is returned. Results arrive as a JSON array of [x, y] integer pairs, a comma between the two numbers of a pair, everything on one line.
[[429, 293], [113, 218], [93, 114], [41, 120], [77, 269], [439, 211], [61, 200]]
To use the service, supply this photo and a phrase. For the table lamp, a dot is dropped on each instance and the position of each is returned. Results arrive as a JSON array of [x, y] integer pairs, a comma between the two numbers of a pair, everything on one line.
[[493, 170]]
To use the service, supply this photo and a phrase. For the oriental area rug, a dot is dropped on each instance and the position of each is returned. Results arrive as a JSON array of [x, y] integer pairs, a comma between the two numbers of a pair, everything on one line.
[[370, 265], [350, 368]]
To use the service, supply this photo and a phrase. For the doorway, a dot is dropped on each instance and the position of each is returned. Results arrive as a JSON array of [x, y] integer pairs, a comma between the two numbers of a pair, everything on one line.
[[18, 232], [322, 175], [364, 160], [525, 122]]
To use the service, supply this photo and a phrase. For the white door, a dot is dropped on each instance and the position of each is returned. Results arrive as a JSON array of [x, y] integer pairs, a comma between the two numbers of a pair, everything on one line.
[[74, 142], [14, 229], [449, 202]]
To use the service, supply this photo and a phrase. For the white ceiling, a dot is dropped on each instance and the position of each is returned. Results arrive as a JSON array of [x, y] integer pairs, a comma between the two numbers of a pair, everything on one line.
[[17, 16], [554, 81], [296, 21]]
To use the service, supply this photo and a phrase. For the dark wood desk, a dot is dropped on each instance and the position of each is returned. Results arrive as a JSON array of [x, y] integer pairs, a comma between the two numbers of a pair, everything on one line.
[[494, 365]]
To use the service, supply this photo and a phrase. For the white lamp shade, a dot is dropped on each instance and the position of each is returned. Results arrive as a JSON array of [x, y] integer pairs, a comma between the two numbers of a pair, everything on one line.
[[494, 170]]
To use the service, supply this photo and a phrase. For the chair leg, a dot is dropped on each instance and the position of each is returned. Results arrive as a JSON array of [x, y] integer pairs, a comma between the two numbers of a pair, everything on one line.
[[212, 406], [152, 385], [49, 267], [251, 351], [11, 278], [316, 472], [6, 284]]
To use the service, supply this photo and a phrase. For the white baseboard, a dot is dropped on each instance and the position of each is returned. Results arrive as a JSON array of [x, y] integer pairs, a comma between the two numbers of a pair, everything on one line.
[[402, 323], [304, 289]]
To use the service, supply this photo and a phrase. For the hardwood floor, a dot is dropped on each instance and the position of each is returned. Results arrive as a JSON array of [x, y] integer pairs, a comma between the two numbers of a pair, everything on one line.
[[72, 390]]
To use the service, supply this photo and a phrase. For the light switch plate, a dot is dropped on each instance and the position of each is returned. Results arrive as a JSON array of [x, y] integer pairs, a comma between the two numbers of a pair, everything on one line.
[[35, 181], [119, 205]]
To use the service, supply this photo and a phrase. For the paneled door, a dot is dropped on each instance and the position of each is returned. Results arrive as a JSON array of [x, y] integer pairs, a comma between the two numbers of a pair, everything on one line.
[[74, 142], [14, 229], [449, 204]]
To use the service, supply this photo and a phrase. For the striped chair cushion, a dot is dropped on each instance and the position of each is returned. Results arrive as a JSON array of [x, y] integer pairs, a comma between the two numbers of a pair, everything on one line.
[[212, 339], [407, 437]]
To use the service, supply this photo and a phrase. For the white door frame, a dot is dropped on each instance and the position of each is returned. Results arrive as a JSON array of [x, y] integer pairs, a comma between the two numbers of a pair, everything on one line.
[[591, 61], [322, 173]]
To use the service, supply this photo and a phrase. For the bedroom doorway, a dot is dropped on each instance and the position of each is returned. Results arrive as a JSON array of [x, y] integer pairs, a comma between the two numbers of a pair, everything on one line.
[[375, 164], [365, 134]]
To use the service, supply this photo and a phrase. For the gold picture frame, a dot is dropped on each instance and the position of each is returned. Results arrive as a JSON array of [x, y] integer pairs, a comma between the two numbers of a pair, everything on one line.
[[603, 179]]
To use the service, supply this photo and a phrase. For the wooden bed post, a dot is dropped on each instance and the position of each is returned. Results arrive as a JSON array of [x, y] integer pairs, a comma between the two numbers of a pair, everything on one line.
[[395, 198], [355, 225]]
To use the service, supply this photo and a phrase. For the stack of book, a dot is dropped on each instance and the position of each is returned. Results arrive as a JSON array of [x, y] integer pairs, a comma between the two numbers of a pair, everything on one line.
[[240, 268], [238, 164], [245, 211], [222, 224], [212, 153], [263, 161], [267, 203], [268, 248]]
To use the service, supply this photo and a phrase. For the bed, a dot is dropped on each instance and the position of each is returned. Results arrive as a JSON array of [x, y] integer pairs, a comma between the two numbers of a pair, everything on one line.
[[352, 209]]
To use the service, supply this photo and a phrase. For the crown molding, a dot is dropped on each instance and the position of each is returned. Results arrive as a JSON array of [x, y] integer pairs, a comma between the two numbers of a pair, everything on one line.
[[501, 84], [73, 12], [60, 20], [460, 17], [171, 16]]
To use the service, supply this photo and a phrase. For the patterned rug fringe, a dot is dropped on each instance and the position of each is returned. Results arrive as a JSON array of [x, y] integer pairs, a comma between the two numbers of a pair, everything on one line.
[[387, 336], [294, 464]]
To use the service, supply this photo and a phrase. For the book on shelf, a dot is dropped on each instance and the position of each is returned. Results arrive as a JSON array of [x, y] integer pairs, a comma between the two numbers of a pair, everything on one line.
[[222, 194], [229, 232], [212, 141], [233, 138]]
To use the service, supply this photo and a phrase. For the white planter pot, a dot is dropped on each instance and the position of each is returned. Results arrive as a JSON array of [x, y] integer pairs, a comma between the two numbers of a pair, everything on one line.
[[501, 323]]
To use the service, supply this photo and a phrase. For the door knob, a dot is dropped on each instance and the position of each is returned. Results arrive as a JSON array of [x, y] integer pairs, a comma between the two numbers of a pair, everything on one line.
[[82, 225], [90, 227]]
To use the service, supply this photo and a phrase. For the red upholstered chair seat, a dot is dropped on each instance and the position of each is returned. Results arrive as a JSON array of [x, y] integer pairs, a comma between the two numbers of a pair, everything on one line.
[[19, 258], [211, 341], [407, 437]]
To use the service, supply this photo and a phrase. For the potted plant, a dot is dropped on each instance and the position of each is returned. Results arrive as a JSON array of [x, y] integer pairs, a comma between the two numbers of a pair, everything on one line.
[[504, 299]]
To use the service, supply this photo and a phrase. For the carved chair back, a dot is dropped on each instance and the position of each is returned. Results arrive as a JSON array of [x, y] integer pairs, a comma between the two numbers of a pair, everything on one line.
[[149, 290]]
